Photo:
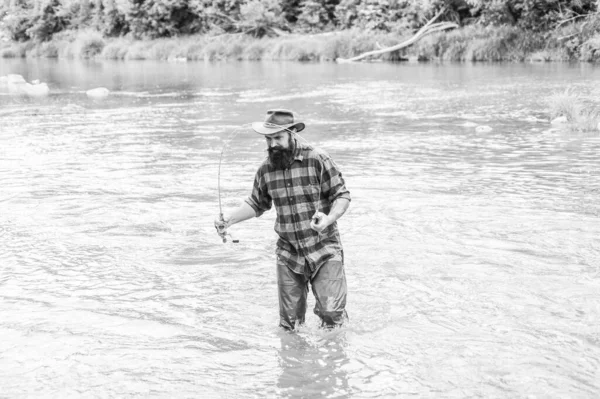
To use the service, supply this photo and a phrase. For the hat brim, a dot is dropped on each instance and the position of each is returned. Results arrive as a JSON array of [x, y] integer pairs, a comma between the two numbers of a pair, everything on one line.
[[260, 128]]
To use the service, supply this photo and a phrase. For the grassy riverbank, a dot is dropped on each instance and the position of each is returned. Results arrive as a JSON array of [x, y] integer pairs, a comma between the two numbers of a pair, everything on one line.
[[572, 110], [575, 42]]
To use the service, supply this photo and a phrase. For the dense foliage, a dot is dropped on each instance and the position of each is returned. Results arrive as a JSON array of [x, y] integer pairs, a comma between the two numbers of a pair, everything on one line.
[[39, 20], [489, 30]]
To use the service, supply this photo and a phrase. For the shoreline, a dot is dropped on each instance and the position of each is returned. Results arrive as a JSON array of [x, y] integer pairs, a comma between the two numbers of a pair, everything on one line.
[[470, 43]]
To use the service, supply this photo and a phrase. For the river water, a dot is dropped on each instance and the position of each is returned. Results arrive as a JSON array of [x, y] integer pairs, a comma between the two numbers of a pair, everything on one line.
[[472, 241]]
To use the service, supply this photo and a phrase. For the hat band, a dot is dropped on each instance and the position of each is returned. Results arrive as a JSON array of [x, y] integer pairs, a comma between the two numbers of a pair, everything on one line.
[[274, 125]]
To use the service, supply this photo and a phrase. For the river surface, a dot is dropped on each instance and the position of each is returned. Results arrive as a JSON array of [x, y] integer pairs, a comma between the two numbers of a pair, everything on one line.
[[472, 241]]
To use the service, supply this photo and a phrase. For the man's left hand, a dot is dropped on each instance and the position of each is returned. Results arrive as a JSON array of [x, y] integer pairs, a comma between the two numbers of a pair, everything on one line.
[[319, 222]]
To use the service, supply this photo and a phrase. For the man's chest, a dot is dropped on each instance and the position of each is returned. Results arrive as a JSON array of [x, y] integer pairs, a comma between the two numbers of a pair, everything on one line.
[[295, 186]]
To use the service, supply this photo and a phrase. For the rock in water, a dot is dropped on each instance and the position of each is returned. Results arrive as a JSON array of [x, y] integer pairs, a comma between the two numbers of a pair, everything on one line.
[[14, 78], [36, 90], [15, 84], [98, 93], [561, 120]]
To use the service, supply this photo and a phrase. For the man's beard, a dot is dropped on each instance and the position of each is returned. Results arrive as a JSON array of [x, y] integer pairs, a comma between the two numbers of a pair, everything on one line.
[[280, 158]]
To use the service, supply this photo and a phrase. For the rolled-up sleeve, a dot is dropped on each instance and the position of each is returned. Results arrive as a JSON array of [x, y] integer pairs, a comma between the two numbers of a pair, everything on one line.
[[332, 182], [259, 199]]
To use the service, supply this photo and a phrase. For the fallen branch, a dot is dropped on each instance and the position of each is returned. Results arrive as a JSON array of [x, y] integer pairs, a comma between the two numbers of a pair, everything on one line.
[[574, 18], [567, 36], [279, 32], [428, 28]]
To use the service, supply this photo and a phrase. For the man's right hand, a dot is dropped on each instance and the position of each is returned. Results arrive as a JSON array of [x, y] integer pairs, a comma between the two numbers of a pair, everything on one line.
[[221, 226], [222, 223]]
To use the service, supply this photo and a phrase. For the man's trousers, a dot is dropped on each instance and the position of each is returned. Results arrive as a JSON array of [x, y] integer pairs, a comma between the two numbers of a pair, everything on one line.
[[328, 286]]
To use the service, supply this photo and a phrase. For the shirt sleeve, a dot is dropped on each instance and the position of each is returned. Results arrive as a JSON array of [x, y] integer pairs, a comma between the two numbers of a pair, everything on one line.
[[332, 182], [259, 199]]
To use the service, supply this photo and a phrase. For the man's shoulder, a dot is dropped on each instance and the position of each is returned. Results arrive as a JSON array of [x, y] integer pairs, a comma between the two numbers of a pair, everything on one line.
[[263, 167], [309, 151]]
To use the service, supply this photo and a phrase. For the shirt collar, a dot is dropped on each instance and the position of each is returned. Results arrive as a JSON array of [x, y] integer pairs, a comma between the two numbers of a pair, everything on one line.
[[298, 156]]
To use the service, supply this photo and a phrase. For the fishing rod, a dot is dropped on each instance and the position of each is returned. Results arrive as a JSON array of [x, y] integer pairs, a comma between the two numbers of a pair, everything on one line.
[[223, 233]]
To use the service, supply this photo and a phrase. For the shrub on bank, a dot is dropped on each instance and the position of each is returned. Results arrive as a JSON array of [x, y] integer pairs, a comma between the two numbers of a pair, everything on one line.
[[590, 49], [479, 43], [193, 51], [115, 50], [46, 50], [15, 50], [255, 51], [549, 55], [139, 50], [84, 44], [222, 47], [88, 44], [162, 50], [579, 115], [295, 49], [235, 49]]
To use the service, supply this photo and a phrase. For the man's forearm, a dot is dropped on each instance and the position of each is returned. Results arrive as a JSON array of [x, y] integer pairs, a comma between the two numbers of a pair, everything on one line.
[[241, 213], [338, 208]]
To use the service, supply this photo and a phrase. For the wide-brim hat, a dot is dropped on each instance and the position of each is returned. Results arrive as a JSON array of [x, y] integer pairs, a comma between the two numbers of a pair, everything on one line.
[[278, 120]]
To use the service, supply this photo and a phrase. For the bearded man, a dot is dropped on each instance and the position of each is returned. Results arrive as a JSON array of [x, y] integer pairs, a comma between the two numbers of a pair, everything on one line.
[[310, 195]]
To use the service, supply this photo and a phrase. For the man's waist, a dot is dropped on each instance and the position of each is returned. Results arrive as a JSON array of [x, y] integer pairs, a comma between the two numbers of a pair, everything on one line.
[[329, 244]]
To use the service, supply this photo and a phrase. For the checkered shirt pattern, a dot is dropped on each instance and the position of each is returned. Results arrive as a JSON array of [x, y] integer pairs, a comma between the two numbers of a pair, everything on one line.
[[313, 180]]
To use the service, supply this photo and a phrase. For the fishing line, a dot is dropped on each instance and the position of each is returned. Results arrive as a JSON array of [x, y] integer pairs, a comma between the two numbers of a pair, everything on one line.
[[318, 206], [233, 135]]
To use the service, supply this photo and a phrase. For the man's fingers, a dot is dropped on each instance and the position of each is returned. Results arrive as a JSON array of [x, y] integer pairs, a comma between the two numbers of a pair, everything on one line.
[[317, 217], [220, 224], [221, 227], [314, 224]]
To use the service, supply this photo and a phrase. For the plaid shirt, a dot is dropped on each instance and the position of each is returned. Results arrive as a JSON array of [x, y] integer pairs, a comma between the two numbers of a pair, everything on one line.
[[312, 182]]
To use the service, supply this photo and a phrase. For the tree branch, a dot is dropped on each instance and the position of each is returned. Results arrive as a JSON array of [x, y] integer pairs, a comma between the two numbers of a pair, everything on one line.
[[574, 18], [425, 30]]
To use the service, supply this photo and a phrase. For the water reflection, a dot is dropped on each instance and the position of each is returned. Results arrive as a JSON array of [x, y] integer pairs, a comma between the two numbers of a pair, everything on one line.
[[313, 369]]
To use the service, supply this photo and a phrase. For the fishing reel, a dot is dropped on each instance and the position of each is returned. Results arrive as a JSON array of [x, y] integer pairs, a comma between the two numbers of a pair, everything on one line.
[[223, 233]]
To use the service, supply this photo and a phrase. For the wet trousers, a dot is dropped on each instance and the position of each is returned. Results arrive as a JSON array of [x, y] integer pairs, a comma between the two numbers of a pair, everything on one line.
[[328, 287]]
